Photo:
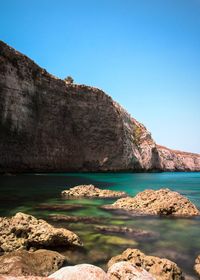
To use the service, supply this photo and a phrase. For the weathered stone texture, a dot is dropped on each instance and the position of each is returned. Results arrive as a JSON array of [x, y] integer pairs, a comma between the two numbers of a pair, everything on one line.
[[24, 231], [91, 191], [160, 268], [23, 263]]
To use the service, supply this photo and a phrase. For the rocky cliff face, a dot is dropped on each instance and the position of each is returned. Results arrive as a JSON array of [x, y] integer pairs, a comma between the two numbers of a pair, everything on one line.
[[48, 125], [172, 160]]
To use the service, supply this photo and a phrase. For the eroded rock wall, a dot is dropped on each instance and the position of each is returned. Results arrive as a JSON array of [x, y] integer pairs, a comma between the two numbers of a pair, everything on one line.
[[48, 125]]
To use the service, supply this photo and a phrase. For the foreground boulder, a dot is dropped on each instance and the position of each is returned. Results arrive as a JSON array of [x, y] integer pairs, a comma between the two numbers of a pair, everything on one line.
[[24, 231], [80, 272], [126, 270], [197, 266], [161, 269], [2, 277], [156, 202], [91, 191], [23, 263]]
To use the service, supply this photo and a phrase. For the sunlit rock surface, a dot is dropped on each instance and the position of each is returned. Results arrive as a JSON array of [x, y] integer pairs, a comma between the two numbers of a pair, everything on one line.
[[80, 272], [91, 191], [24, 231], [156, 202], [160, 268]]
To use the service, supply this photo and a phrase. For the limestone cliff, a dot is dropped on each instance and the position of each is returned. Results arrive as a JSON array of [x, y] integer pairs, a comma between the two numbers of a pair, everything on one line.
[[48, 125]]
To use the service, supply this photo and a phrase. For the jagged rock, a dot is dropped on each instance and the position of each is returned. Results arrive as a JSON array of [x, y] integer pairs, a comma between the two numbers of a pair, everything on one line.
[[136, 233], [91, 191], [38, 263], [48, 125], [80, 272], [197, 266], [156, 202], [126, 270], [161, 269], [24, 231], [75, 219]]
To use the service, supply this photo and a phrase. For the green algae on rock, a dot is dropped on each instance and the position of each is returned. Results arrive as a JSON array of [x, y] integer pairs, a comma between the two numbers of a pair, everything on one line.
[[128, 231]]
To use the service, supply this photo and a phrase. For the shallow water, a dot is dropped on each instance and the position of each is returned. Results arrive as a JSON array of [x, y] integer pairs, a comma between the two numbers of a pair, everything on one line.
[[176, 239]]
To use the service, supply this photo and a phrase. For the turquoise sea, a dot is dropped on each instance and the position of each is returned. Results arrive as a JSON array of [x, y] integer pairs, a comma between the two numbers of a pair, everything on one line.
[[175, 238]]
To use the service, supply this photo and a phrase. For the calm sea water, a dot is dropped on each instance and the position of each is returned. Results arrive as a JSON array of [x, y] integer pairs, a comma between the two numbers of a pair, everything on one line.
[[176, 239]]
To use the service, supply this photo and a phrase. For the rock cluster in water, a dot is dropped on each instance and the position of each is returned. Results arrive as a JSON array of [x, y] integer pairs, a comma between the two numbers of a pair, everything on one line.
[[157, 202], [24, 231], [91, 191], [48, 125]]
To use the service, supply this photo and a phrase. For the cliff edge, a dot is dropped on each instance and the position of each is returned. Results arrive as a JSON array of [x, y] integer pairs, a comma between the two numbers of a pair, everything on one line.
[[48, 125]]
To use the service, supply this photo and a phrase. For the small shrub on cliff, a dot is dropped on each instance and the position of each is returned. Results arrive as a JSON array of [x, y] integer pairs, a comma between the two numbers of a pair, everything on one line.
[[69, 80]]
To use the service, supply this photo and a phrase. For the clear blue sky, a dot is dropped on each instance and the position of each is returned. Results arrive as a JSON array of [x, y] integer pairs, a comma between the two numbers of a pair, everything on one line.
[[144, 53]]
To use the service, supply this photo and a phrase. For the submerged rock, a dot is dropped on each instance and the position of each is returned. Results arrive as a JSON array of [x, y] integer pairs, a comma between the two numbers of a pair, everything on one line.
[[75, 219], [24, 231], [156, 202], [80, 272], [197, 266], [161, 269], [136, 233], [59, 207], [91, 191], [38, 263], [126, 270]]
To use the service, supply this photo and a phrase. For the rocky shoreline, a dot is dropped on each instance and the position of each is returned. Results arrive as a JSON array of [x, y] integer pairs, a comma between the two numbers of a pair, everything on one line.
[[26, 243]]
